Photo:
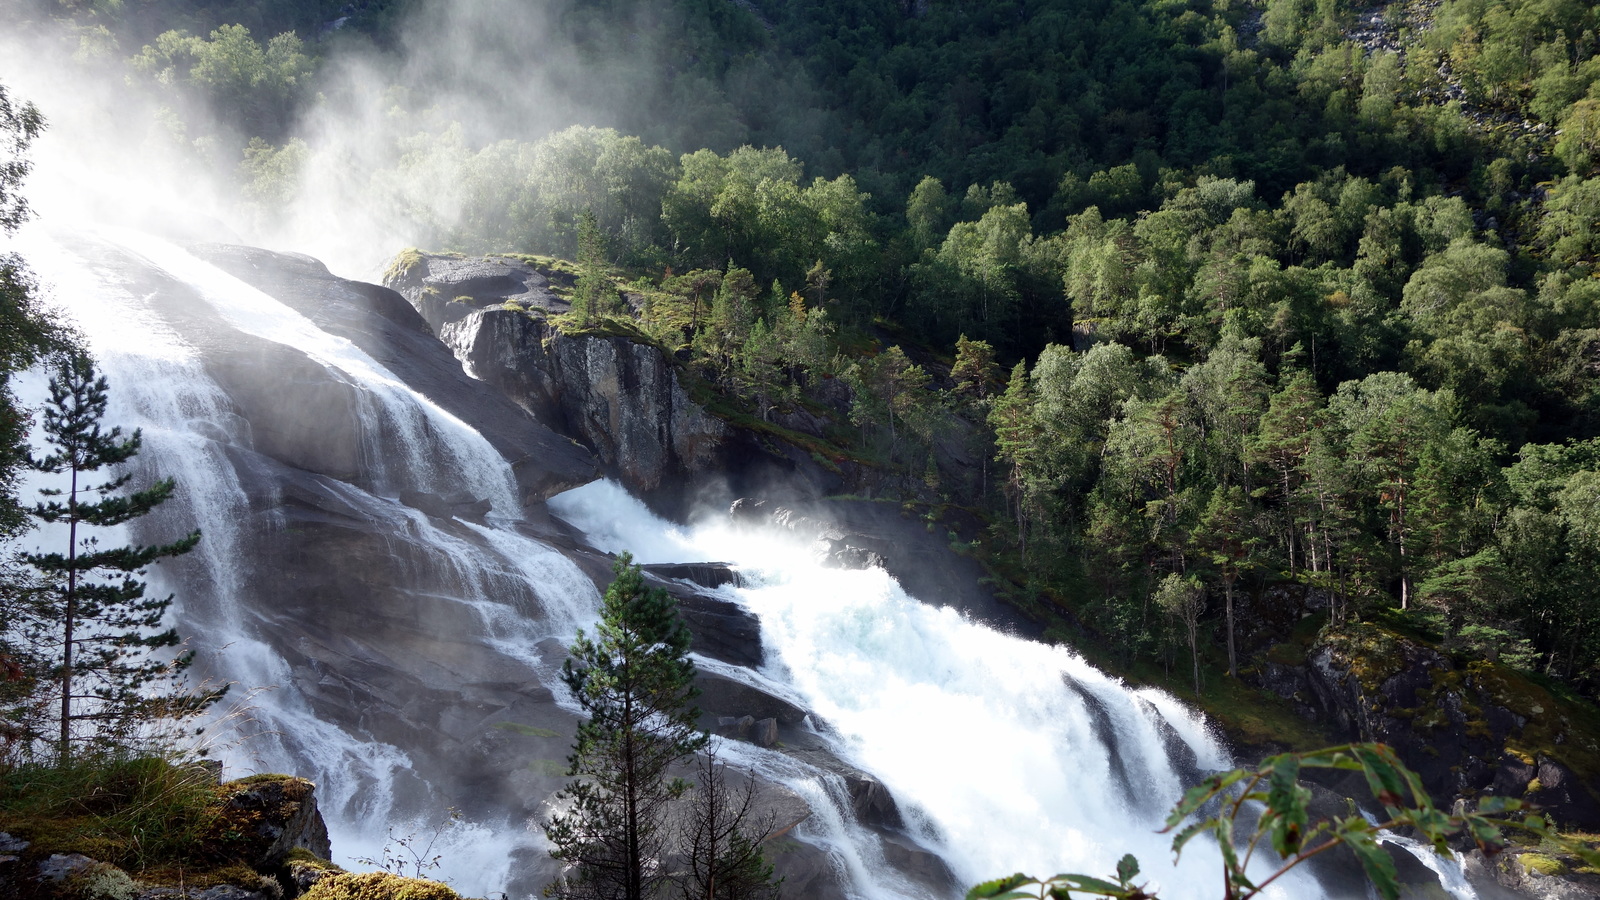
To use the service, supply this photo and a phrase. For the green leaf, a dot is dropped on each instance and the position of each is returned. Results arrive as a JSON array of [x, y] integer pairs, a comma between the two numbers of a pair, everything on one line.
[[1090, 884], [1197, 796], [1379, 765], [1375, 861], [1332, 758], [1434, 825], [1487, 835], [1183, 837], [1287, 801], [1127, 869], [1230, 854], [992, 890], [1492, 804]]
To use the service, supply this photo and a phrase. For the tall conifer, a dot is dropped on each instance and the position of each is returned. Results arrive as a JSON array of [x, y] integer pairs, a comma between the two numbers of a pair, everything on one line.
[[635, 680], [96, 613]]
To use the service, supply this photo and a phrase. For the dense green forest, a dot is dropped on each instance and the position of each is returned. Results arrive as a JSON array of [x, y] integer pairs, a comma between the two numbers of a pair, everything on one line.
[[1298, 299]]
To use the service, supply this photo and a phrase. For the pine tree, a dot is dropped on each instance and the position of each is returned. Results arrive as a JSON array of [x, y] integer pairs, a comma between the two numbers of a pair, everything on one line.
[[636, 682], [96, 611]]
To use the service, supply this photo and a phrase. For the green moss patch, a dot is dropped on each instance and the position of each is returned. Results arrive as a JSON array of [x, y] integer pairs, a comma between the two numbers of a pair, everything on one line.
[[1372, 654], [404, 264], [1544, 865], [378, 886]]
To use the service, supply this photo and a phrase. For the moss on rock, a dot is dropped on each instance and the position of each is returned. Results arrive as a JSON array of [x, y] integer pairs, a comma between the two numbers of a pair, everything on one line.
[[405, 262], [96, 880], [378, 886], [1544, 865]]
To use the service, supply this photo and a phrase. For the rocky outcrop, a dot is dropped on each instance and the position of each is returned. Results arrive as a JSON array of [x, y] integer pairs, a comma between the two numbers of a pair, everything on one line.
[[618, 394], [275, 385], [1528, 875], [624, 400], [447, 288], [274, 815], [1467, 729]]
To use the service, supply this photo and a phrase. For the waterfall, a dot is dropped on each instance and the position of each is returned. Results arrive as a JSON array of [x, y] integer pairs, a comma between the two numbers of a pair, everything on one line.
[[1007, 754], [159, 385], [1002, 754]]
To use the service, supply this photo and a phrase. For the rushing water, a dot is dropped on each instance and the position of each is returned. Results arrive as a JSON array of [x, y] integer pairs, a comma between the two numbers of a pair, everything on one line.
[[1007, 754], [1003, 754]]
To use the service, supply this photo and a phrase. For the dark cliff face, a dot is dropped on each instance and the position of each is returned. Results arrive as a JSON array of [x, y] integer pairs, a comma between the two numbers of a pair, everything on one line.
[[622, 399], [1468, 729]]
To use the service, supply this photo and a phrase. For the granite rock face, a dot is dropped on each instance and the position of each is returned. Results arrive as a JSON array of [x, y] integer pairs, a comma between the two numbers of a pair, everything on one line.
[[619, 396]]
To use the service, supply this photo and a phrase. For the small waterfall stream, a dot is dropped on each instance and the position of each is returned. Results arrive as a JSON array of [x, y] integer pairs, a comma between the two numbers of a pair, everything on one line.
[[1003, 754]]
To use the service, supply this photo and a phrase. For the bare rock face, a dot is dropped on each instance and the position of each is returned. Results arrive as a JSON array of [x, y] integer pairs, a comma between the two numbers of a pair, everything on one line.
[[384, 325], [620, 398], [446, 288]]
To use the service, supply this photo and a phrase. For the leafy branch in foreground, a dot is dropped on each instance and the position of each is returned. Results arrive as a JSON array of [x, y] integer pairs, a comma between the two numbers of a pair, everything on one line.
[[1273, 789]]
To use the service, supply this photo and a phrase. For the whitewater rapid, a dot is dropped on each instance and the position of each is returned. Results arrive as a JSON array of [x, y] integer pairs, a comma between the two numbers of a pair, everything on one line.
[[1006, 754]]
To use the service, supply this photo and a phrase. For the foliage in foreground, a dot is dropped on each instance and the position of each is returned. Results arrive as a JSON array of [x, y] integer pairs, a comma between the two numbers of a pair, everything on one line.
[[91, 623], [136, 812], [1283, 829]]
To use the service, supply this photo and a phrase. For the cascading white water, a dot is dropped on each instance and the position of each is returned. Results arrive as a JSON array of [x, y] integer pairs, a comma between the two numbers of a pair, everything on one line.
[[158, 385], [1008, 755], [437, 449]]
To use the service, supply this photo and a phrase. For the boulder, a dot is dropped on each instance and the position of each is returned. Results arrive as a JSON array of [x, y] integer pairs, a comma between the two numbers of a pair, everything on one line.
[[73, 876], [277, 814], [445, 289]]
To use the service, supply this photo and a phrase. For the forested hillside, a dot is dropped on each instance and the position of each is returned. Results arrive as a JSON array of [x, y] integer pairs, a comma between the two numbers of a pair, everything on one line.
[[1298, 300]]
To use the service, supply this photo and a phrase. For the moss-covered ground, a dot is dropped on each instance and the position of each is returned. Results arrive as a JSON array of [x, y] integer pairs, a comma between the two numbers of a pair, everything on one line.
[[160, 821]]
